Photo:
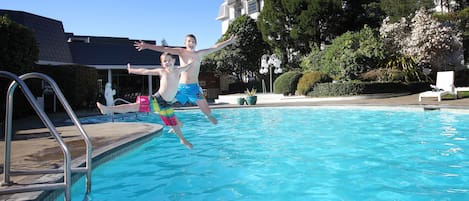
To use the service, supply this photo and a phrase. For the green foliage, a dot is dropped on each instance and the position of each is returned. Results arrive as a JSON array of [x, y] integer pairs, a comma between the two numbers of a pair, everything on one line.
[[352, 54], [286, 83], [312, 61], [251, 92], [18, 48], [242, 57], [336, 89], [383, 75], [18, 53], [404, 8], [409, 68], [209, 64], [461, 19], [309, 80], [362, 12], [77, 83], [357, 88], [291, 26], [434, 44], [463, 16]]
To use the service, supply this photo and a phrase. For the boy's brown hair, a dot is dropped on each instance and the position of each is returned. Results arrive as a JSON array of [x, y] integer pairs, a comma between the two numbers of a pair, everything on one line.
[[192, 36]]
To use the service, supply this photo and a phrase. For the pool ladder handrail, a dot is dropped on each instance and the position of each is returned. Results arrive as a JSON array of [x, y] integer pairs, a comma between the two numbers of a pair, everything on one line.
[[67, 170]]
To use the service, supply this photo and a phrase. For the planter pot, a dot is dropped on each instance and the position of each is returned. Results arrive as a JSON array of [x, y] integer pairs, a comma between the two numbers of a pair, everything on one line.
[[240, 101], [251, 100]]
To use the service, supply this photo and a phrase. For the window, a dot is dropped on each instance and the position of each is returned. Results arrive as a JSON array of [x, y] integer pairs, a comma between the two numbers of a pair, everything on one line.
[[237, 12], [222, 12], [252, 7]]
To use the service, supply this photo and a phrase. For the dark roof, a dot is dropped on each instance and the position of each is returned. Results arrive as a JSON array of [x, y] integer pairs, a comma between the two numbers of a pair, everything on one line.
[[109, 51], [49, 34]]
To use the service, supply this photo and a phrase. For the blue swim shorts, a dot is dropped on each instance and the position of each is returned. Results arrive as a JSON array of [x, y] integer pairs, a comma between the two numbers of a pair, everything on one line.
[[189, 93]]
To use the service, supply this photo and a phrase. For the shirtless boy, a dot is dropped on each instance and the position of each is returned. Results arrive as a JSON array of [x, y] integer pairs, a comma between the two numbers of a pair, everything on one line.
[[161, 101]]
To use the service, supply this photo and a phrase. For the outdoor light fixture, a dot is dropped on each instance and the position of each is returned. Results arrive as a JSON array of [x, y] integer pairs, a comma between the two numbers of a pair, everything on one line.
[[267, 62]]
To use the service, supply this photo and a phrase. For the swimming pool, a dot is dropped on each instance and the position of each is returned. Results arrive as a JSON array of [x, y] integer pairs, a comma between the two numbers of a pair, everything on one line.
[[296, 153]]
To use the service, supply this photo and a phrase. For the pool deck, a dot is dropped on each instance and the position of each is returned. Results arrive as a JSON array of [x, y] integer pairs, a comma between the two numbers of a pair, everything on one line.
[[33, 146]]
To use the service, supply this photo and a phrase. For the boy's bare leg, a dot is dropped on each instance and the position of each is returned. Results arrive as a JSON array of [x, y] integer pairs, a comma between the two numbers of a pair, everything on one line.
[[124, 108], [182, 139], [179, 123], [203, 105], [102, 108]]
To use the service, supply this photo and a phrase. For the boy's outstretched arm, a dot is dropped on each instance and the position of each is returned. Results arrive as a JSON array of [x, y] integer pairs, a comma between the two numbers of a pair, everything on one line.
[[142, 71], [141, 45], [222, 44]]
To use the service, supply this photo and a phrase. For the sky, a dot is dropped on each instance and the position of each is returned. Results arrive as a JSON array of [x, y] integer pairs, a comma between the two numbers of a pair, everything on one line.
[[154, 20]]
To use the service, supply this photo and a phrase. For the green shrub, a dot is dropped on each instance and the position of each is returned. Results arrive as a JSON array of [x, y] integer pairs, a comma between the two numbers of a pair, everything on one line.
[[312, 61], [77, 83], [18, 52], [18, 47], [352, 54], [309, 80], [357, 88], [406, 68], [286, 83]]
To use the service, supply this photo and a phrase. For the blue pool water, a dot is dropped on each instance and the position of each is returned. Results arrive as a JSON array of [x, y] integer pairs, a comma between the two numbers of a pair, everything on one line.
[[296, 153]]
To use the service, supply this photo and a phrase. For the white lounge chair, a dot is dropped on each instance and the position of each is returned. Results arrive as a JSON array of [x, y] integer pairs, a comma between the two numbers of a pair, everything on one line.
[[444, 86]]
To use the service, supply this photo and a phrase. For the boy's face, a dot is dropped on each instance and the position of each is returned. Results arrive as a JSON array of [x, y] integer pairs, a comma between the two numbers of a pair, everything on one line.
[[167, 61], [190, 42]]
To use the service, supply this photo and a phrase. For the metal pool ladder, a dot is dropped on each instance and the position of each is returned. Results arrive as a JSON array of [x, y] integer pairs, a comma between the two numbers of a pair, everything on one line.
[[67, 169]]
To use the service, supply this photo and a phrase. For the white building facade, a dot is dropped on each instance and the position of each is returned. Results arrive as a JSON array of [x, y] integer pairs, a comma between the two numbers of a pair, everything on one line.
[[445, 6], [232, 9]]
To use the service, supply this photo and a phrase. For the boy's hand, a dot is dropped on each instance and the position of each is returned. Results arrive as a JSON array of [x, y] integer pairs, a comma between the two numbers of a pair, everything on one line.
[[140, 45]]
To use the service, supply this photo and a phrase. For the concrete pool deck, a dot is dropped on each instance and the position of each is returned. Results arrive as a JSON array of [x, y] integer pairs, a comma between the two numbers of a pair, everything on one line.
[[33, 147]]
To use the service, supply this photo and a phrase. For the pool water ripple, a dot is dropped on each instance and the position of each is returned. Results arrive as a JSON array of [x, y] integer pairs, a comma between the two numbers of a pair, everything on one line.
[[303, 153]]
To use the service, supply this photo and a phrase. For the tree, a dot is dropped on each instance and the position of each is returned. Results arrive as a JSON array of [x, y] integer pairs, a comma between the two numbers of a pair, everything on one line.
[[18, 47], [292, 27], [243, 57], [437, 45], [358, 13], [18, 53], [163, 42], [434, 43], [396, 9]]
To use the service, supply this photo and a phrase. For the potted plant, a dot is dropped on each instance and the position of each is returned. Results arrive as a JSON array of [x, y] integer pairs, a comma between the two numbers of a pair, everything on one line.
[[251, 98]]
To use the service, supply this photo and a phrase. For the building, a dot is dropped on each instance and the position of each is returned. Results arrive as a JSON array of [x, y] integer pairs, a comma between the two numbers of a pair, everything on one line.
[[109, 55], [445, 6], [232, 9]]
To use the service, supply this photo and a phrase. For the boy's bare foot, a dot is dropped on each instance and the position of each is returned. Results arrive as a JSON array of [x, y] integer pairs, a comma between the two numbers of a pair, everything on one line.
[[188, 144], [101, 108], [212, 119]]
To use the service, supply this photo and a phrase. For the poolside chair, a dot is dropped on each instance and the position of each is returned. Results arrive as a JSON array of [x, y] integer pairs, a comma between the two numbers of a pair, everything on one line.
[[444, 86]]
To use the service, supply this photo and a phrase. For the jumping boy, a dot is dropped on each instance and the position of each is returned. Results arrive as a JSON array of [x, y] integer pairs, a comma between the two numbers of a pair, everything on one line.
[[161, 101]]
